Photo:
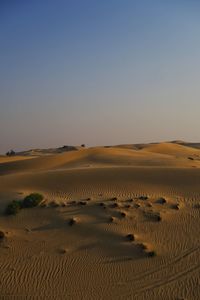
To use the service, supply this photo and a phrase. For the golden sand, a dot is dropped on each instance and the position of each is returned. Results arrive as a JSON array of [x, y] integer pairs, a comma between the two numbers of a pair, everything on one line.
[[116, 223]]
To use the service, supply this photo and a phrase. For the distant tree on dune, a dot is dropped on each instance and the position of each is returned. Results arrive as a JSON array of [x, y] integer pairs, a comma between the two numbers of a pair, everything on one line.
[[10, 153]]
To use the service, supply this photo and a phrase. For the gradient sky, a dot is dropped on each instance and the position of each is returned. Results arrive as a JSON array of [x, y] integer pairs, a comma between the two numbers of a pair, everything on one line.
[[98, 72]]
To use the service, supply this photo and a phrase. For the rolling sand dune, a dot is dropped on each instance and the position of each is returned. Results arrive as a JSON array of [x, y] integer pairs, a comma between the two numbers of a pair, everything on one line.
[[116, 223]]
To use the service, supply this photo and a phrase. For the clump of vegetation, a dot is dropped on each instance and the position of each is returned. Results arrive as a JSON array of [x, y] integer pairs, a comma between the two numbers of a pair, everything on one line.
[[129, 200], [161, 201], [13, 207], [130, 237], [151, 253], [143, 197], [32, 200], [127, 206], [123, 215], [72, 221], [10, 153], [2, 235]]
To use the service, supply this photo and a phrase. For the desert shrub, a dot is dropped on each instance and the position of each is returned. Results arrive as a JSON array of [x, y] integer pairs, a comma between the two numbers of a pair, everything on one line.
[[10, 153], [130, 237], [32, 200], [13, 207], [2, 235], [127, 206], [161, 201], [151, 253], [72, 221], [123, 215], [143, 197], [129, 200]]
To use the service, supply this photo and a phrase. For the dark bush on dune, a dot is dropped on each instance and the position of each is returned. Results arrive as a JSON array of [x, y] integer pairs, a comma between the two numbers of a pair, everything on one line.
[[130, 237], [72, 221], [10, 153], [114, 199], [32, 200], [14, 207], [151, 253], [2, 235], [143, 197]]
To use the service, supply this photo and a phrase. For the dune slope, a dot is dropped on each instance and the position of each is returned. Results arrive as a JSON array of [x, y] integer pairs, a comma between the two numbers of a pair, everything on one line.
[[115, 223]]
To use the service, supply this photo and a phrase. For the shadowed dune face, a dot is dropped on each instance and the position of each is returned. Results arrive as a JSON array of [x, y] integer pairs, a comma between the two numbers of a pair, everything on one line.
[[114, 222]]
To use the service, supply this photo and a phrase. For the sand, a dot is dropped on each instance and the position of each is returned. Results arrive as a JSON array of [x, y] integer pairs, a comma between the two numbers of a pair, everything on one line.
[[117, 222]]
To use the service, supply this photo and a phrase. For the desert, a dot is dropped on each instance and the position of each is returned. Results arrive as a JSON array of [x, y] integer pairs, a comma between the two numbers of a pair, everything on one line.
[[114, 222], [99, 150]]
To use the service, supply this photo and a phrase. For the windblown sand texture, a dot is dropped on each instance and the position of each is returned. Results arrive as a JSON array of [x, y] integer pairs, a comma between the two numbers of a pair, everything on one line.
[[117, 222]]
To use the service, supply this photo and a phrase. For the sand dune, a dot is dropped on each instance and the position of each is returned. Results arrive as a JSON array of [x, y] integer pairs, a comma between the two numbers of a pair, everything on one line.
[[165, 154], [134, 235]]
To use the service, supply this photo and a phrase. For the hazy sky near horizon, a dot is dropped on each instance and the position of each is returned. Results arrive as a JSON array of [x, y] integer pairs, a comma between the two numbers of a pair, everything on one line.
[[98, 72]]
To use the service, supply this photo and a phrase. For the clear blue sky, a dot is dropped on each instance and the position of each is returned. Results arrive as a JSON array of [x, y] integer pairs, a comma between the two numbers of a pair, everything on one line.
[[98, 72]]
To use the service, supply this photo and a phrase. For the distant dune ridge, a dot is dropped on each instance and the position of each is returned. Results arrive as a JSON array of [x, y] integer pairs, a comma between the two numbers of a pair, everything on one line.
[[116, 222]]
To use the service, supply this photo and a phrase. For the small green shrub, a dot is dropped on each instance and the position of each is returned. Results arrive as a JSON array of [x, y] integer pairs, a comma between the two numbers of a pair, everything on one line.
[[32, 200], [13, 207]]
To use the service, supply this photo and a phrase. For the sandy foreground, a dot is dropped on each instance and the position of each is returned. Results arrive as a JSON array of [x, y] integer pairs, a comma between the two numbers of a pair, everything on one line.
[[136, 230]]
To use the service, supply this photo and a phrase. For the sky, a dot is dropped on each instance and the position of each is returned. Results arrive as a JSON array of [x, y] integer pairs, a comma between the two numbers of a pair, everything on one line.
[[98, 72]]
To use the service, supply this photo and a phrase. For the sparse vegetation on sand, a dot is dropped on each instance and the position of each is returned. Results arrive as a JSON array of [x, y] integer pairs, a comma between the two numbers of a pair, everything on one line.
[[29, 201], [161, 200], [10, 153], [2, 235], [13, 207], [72, 221], [130, 237], [151, 253], [143, 198], [32, 200]]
